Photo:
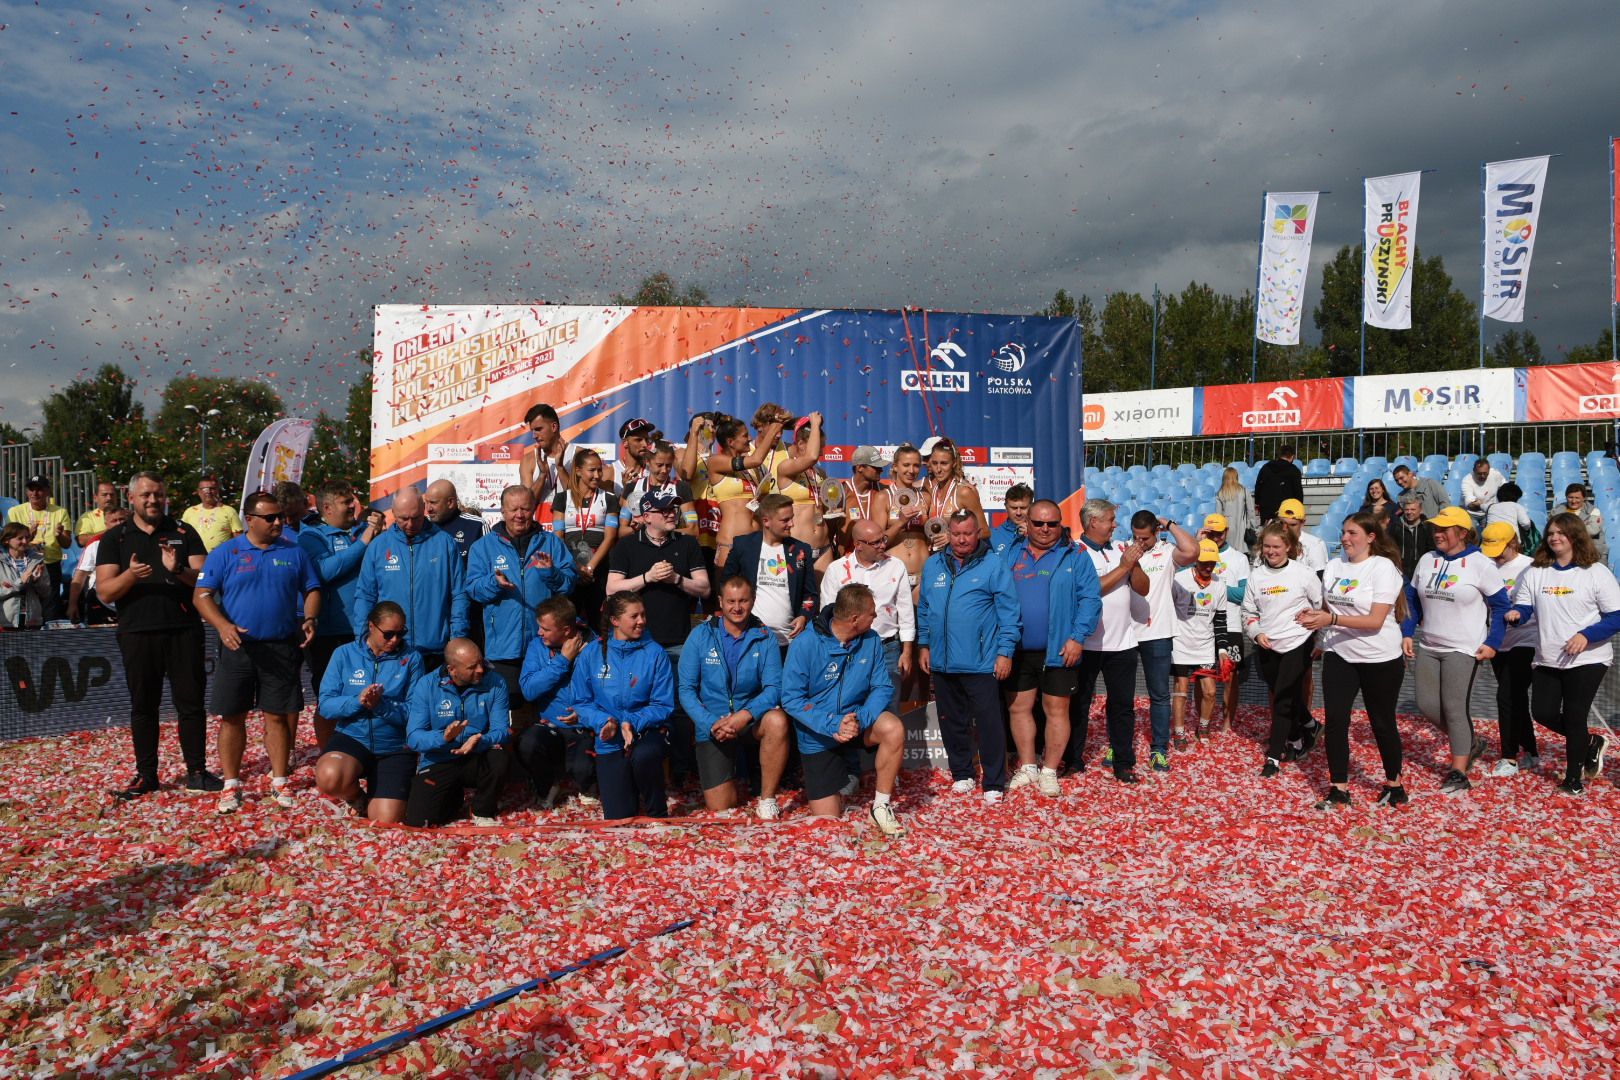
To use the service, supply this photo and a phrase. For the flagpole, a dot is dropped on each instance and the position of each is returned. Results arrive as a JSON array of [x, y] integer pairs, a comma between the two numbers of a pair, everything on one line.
[[1259, 261], [1361, 279], [1614, 280], [1484, 258]]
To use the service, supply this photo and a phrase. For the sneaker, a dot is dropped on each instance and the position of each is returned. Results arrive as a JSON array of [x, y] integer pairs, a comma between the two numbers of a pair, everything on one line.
[[1108, 756], [852, 786], [883, 817], [1307, 740], [1503, 768], [1178, 738], [1529, 762], [1272, 768], [203, 780], [1161, 763], [1475, 749], [1336, 797], [1594, 760], [230, 799], [282, 795], [991, 798], [141, 785], [766, 809], [1126, 776], [1455, 783], [1392, 795], [1023, 777], [548, 798], [1572, 787], [589, 802], [481, 821], [963, 787], [1048, 780]]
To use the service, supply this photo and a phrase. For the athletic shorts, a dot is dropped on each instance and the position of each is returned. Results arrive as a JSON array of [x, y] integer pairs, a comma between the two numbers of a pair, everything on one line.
[[1030, 672], [388, 776], [262, 674], [717, 761], [1184, 671], [827, 772]]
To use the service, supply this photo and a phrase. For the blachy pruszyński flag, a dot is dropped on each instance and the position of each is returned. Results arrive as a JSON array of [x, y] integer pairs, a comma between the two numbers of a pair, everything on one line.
[[1391, 211], [1285, 256], [1513, 194]]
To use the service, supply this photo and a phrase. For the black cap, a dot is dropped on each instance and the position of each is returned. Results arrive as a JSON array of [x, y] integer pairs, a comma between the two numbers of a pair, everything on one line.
[[37, 481], [657, 500], [638, 426]]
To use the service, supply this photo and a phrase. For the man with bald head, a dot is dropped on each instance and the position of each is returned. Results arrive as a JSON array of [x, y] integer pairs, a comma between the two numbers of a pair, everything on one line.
[[870, 564], [417, 565], [458, 728], [444, 510]]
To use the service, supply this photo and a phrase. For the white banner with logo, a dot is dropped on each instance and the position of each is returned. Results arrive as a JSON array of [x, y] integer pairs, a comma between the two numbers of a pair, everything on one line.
[[1513, 191], [1140, 414], [1390, 208], [1436, 399], [278, 454], [1285, 258]]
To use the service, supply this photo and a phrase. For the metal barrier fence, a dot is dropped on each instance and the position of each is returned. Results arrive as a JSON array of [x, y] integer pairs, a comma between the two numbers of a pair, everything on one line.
[[16, 461], [78, 492], [51, 469]]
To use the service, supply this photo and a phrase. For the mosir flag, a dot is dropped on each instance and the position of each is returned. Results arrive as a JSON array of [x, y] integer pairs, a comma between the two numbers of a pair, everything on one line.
[[1513, 191], [1285, 256], [278, 454], [1614, 209], [1391, 209]]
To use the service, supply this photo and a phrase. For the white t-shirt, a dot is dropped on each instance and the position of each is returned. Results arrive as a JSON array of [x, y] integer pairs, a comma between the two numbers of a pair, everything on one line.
[[1313, 551], [1352, 589], [891, 591], [1510, 512], [1519, 635], [1195, 606], [1156, 612], [771, 598], [1274, 597], [1117, 629], [1232, 567], [1568, 601], [1453, 592]]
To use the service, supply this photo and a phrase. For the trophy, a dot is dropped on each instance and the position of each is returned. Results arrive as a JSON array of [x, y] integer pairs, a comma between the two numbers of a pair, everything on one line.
[[934, 529], [832, 498], [907, 502]]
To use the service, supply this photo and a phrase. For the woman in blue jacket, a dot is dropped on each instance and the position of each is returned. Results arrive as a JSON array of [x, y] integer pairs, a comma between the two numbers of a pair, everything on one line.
[[366, 692], [624, 691]]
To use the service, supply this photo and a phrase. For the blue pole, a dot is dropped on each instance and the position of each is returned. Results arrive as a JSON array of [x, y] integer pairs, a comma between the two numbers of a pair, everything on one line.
[[1484, 257], [1614, 281], [1259, 261], [1361, 434]]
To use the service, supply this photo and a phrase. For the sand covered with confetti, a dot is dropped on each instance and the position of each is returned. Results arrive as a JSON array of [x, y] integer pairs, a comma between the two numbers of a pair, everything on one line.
[[1202, 924]]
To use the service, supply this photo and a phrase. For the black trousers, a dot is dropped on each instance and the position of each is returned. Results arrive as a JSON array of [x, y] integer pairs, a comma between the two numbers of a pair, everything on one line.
[[968, 704], [1285, 673], [548, 754], [54, 608], [1379, 684], [1561, 700], [1118, 671], [632, 783], [150, 656], [436, 792], [1512, 669]]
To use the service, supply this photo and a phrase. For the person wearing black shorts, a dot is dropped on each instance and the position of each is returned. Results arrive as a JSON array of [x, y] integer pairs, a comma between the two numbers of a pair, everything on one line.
[[249, 591], [459, 725]]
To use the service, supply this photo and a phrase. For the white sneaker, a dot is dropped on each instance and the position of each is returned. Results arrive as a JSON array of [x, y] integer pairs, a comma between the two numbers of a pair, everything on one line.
[[483, 821], [589, 802], [883, 817], [230, 800], [1049, 783], [766, 809], [1504, 768], [282, 795], [992, 797], [851, 787], [963, 787], [550, 799], [1023, 776]]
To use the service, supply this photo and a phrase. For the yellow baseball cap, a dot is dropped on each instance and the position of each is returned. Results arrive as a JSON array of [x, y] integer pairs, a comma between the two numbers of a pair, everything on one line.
[[1291, 510], [1452, 517], [1209, 550], [1215, 522], [1497, 536]]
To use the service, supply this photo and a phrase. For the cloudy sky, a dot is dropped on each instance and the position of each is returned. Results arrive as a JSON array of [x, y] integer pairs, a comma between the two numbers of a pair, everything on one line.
[[229, 188]]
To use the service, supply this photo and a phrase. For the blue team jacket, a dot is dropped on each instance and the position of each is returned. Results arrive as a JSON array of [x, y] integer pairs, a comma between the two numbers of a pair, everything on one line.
[[710, 689], [436, 703], [824, 678], [354, 667], [1074, 597], [422, 574], [545, 678], [967, 616], [336, 554], [630, 682], [1004, 536], [509, 622]]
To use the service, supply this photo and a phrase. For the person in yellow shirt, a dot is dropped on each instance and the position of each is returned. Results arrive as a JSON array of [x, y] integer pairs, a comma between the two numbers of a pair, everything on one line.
[[215, 522], [93, 522], [48, 530]]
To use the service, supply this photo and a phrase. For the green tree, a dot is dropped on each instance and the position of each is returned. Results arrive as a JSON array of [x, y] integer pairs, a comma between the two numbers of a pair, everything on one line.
[[1124, 345], [341, 449], [1602, 351], [1445, 326], [660, 290], [1516, 348], [1061, 307], [245, 408], [96, 423], [13, 436], [1205, 338]]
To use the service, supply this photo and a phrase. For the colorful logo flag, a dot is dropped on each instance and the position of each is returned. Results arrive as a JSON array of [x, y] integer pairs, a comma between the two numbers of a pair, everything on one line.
[[1285, 258], [1390, 209], [1614, 212], [1513, 192]]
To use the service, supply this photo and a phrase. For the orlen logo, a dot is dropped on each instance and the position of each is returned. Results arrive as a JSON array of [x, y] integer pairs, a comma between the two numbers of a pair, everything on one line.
[[948, 353], [1602, 403], [833, 453], [1094, 417], [942, 382], [1407, 399], [1281, 415]]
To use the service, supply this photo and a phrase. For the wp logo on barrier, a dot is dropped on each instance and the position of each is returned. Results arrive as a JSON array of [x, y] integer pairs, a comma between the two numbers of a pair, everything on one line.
[[56, 675]]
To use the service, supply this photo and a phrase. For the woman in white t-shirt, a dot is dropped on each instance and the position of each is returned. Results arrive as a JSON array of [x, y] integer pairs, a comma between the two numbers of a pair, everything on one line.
[[1456, 596], [1360, 644], [1198, 594], [1280, 587], [1512, 662], [1576, 604]]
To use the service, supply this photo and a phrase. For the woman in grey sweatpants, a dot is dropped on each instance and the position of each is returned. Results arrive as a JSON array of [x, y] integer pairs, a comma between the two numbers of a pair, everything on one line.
[[1457, 596]]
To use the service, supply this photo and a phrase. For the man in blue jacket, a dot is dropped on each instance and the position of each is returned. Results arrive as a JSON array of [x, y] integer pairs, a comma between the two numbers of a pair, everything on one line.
[[458, 728], [1059, 603], [967, 630], [730, 685], [510, 570], [836, 688], [780, 568], [416, 565], [335, 544], [555, 743]]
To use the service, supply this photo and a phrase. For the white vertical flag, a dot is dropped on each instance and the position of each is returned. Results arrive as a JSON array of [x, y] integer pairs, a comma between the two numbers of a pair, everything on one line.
[[278, 454], [1513, 191], [1285, 257], [1391, 210]]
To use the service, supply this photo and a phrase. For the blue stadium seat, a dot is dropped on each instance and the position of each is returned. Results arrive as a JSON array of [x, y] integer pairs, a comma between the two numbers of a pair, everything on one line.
[[1567, 460], [1375, 462], [1405, 459], [1318, 467], [1344, 467], [1502, 463], [1136, 470], [1437, 461]]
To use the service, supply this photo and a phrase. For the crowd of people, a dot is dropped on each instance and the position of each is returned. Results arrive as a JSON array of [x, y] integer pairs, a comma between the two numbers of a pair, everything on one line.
[[725, 613]]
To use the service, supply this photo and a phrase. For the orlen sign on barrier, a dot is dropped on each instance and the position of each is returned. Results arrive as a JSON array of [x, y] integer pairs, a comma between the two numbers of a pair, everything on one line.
[[1438, 398], [1573, 392], [1258, 408], [1141, 414]]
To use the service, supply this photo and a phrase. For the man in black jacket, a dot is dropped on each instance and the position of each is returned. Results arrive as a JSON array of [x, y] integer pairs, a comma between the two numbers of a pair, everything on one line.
[[1411, 533], [780, 568], [1277, 481]]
